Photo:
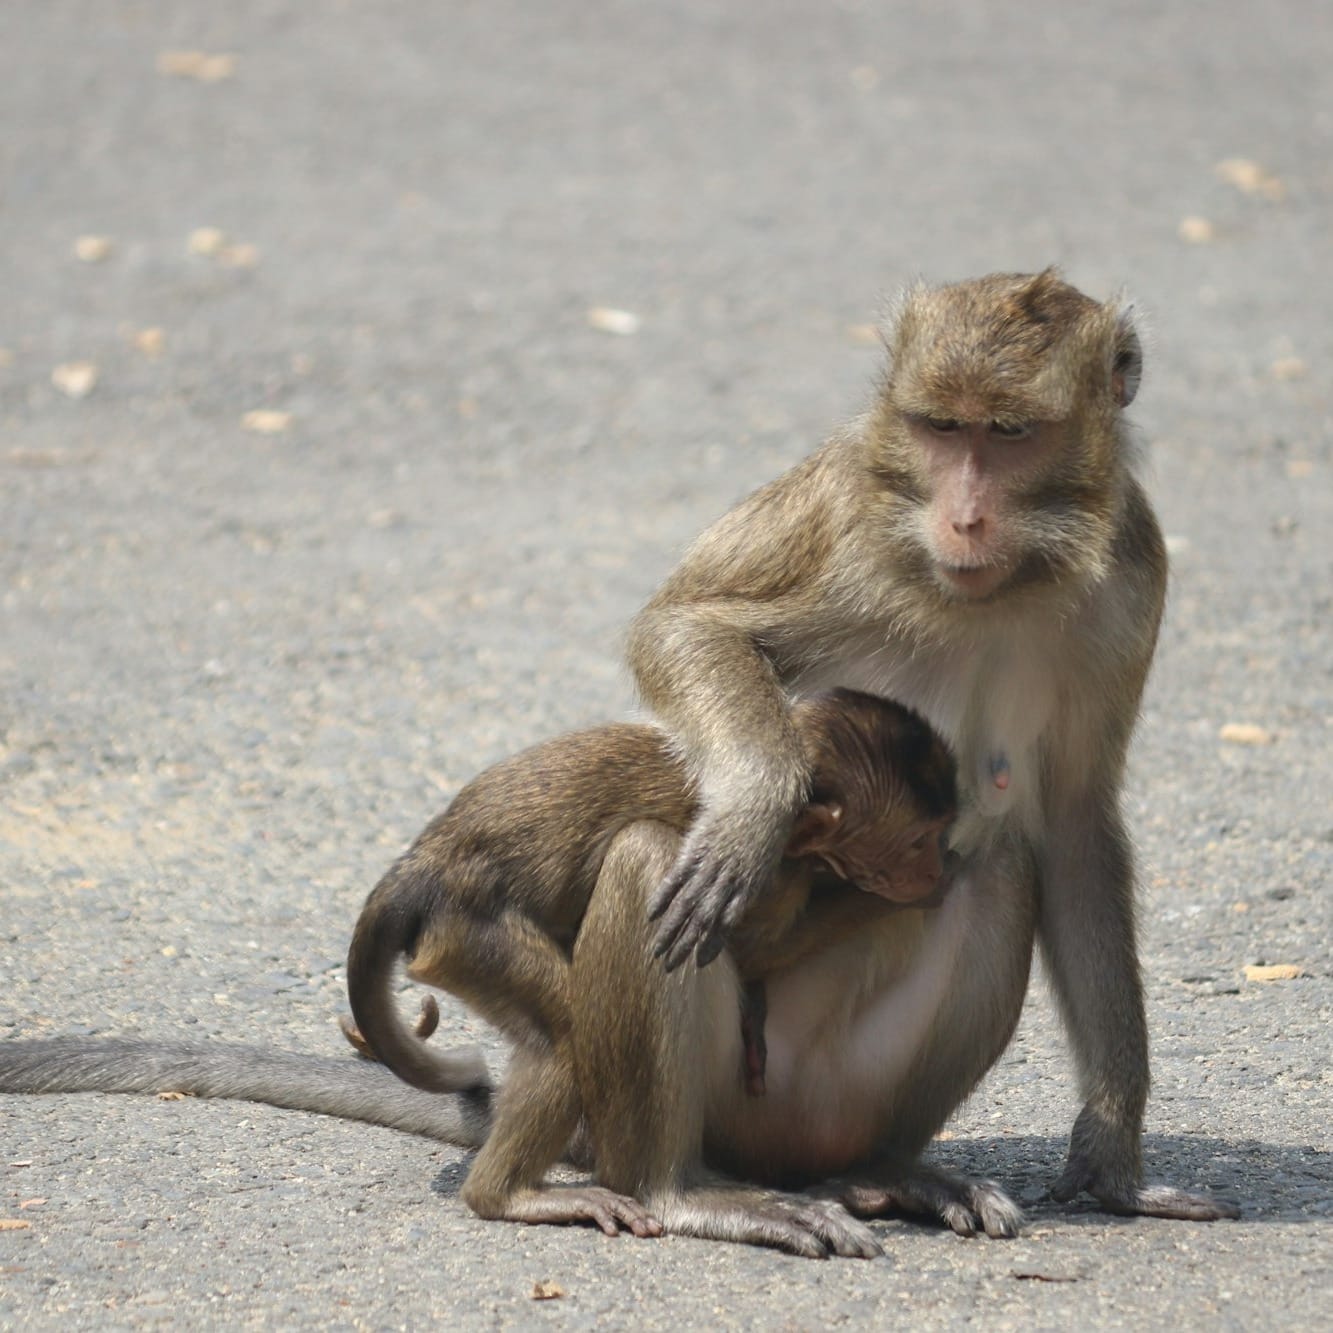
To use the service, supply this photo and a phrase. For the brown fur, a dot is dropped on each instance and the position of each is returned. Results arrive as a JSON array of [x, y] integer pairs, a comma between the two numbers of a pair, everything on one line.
[[977, 546], [489, 901]]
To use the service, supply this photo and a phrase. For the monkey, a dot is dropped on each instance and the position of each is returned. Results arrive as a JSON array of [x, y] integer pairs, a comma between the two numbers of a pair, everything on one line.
[[977, 545], [510, 868], [489, 900]]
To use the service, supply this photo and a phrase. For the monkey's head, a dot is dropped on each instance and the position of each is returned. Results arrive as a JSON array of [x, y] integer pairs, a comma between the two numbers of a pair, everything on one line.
[[998, 434], [883, 794]]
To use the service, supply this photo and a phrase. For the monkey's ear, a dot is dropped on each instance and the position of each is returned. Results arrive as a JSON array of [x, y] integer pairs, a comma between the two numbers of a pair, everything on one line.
[[1127, 365], [814, 828]]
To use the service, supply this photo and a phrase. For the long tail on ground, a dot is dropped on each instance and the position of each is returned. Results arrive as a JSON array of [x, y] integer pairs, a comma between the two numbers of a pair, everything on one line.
[[347, 1088]]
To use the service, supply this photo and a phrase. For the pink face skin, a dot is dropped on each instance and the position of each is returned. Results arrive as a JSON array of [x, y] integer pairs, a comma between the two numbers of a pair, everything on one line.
[[973, 467]]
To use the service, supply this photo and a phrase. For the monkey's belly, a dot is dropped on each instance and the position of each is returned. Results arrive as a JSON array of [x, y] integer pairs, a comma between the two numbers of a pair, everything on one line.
[[838, 1062]]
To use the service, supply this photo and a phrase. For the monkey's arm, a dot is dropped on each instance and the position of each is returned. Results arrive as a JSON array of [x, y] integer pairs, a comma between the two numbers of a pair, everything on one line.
[[1086, 914], [1086, 929], [707, 653]]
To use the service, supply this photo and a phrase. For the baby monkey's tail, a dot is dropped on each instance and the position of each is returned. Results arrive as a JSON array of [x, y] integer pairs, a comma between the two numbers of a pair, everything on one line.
[[389, 927]]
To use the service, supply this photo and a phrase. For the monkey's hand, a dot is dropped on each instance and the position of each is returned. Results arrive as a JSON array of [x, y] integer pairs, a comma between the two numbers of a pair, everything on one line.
[[1106, 1164], [707, 892]]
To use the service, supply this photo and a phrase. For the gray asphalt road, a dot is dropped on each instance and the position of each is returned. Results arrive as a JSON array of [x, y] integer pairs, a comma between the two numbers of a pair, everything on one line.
[[238, 669]]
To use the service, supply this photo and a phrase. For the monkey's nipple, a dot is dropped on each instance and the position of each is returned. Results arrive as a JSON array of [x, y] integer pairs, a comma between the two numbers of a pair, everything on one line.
[[999, 771]]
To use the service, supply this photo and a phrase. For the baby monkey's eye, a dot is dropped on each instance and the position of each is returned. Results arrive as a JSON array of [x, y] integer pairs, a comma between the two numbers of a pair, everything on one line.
[[1011, 430], [943, 425]]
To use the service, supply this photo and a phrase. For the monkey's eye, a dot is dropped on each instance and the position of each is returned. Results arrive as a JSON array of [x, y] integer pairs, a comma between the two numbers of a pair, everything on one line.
[[1011, 430], [943, 425]]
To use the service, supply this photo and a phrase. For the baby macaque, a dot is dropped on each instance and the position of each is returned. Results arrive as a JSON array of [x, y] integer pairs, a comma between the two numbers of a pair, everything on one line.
[[488, 901]]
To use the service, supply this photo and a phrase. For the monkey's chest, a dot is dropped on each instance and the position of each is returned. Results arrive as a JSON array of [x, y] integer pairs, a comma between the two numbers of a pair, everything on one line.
[[992, 698]]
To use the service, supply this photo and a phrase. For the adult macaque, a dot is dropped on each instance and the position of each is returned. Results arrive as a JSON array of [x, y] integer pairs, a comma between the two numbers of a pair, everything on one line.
[[489, 900], [976, 546]]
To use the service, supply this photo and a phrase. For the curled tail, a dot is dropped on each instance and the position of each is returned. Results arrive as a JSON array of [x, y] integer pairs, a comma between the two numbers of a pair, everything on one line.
[[389, 926]]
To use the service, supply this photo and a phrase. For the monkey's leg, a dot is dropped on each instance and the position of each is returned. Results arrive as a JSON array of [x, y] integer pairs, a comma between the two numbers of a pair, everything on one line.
[[962, 1204], [651, 1050], [536, 1115]]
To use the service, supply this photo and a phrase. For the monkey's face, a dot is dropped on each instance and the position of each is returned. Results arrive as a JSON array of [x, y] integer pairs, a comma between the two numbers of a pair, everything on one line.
[[978, 475], [998, 435], [902, 864]]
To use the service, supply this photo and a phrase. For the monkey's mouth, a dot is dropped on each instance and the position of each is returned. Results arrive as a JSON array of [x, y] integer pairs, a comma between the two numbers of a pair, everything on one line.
[[974, 581]]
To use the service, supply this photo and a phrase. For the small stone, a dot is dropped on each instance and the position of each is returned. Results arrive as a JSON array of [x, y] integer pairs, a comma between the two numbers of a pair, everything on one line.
[[151, 342], [1240, 907], [1245, 733], [1249, 177], [1196, 230], [608, 320], [75, 379], [206, 241], [243, 255], [547, 1291], [1289, 368], [265, 421], [1275, 972], [197, 65], [92, 249]]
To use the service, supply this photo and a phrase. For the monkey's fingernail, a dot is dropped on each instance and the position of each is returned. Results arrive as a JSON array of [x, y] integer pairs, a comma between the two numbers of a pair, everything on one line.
[[710, 949]]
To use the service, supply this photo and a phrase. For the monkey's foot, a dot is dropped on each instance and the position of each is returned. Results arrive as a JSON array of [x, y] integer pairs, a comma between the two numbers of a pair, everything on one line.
[[1142, 1200], [427, 1021], [963, 1205], [561, 1205], [1104, 1160], [801, 1225]]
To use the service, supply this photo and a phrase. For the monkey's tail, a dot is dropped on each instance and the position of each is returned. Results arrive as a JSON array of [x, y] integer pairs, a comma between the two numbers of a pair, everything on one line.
[[346, 1088], [388, 928]]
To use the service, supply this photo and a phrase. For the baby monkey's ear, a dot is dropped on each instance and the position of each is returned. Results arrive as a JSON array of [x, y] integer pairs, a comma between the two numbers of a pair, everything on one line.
[[815, 829]]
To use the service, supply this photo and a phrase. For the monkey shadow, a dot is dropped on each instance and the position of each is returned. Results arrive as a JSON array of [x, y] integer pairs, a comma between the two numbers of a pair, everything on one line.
[[1272, 1182]]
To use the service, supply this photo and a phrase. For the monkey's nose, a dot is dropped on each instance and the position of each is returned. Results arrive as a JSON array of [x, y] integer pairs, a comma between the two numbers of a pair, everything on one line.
[[965, 527]]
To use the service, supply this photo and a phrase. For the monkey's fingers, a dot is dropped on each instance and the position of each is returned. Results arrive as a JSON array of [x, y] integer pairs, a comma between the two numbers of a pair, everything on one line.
[[680, 874], [964, 1205], [607, 1210], [691, 918], [840, 1231]]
